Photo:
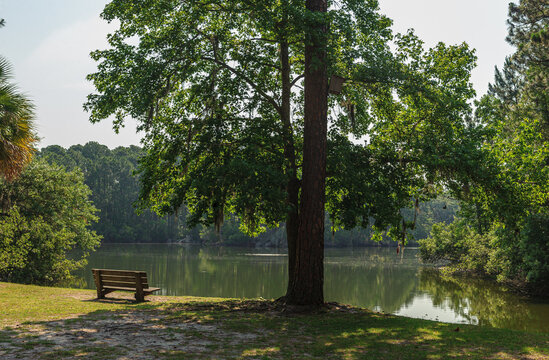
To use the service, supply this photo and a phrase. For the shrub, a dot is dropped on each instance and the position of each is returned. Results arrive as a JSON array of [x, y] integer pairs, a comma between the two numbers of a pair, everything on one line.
[[499, 253], [46, 215], [459, 246]]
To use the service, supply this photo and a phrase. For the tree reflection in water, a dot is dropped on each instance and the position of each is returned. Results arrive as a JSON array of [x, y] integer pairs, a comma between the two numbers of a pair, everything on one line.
[[484, 302], [370, 278]]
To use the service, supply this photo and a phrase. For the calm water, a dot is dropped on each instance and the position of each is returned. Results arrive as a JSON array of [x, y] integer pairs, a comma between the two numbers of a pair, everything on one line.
[[375, 278]]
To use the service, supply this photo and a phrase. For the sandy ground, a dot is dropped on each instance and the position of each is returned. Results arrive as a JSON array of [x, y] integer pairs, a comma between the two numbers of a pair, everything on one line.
[[135, 334]]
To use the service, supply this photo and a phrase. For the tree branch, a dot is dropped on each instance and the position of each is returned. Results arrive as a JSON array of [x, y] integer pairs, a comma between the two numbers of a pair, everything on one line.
[[266, 96], [294, 81]]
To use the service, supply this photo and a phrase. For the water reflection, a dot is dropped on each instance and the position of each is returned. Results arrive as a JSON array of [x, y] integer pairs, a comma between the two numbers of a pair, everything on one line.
[[376, 278], [484, 303], [372, 278]]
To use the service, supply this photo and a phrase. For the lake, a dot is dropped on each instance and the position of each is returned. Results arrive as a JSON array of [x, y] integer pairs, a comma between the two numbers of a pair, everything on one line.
[[374, 278]]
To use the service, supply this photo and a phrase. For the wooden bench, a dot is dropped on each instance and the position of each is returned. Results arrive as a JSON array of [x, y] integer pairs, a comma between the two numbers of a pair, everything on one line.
[[107, 281]]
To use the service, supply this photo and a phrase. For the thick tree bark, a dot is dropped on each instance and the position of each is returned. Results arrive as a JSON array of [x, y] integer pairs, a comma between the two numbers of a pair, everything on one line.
[[306, 284], [292, 220]]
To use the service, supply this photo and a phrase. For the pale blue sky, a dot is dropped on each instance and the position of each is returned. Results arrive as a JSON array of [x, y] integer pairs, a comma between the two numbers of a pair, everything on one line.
[[48, 44]]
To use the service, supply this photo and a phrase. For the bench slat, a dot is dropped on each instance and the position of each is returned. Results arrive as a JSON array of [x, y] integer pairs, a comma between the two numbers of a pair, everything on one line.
[[120, 283], [121, 278], [120, 272], [129, 288], [119, 288]]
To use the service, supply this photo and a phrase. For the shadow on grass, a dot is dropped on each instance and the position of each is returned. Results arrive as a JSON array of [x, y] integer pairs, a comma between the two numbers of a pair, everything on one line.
[[339, 331], [259, 329], [119, 300]]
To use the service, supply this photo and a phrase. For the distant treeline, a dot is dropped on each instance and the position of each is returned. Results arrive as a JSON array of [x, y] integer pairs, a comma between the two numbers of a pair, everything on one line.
[[109, 174], [115, 188]]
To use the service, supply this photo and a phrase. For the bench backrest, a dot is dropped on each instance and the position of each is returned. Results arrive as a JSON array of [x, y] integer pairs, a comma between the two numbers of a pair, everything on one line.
[[120, 278]]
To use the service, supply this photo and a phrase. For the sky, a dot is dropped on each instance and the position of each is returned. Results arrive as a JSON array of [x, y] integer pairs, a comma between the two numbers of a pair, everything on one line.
[[48, 43]]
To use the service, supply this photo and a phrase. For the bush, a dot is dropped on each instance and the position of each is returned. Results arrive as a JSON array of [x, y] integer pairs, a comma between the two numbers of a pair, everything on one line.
[[501, 254], [459, 246], [46, 215]]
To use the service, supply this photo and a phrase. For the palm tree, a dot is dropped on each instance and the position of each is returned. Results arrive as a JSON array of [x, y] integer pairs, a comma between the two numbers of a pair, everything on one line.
[[17, 135]]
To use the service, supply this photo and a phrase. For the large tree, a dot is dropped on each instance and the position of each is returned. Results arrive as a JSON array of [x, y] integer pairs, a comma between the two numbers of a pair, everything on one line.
[[233, 101]]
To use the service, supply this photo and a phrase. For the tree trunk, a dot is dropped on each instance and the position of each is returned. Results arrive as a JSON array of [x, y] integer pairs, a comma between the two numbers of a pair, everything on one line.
[[292, 220], [306, 284], [292, 227], [292, 188]]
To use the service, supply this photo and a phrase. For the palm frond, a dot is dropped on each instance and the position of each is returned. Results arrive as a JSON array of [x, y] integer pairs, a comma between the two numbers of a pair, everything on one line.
[[17, 130]]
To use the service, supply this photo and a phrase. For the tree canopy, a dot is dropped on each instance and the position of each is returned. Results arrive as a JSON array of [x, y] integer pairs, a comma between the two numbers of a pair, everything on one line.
[[217, 89]]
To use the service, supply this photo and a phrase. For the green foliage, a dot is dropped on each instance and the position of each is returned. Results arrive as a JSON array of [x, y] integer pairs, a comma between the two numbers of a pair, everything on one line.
[[115, 188], [459, 245], [510, 205], [110, 176], [507, 83], [529, 33], [516, 116], [46, 215], [15, 243], [17, 135], [210, 88], [516, 154], [534, 247], [495, 253]]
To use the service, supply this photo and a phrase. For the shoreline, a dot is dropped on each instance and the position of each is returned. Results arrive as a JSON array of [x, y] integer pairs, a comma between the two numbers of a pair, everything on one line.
[[518, 287]]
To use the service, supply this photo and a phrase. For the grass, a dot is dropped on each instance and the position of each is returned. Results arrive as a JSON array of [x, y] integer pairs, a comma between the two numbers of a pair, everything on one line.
[[56, 323], [20, 303]]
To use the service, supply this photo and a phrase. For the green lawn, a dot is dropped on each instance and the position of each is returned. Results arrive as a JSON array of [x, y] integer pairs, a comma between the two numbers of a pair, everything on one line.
[[53, 323]]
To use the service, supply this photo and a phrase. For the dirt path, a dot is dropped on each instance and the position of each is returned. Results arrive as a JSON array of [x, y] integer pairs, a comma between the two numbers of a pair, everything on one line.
[[124, 334]]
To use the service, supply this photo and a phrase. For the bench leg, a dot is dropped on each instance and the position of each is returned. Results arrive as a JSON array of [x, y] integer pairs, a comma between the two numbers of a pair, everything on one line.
[[139, 297], [98, 284], [105, 292]]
